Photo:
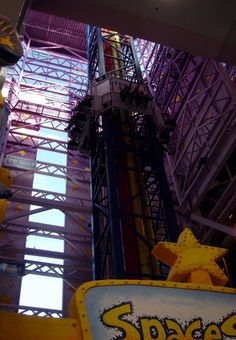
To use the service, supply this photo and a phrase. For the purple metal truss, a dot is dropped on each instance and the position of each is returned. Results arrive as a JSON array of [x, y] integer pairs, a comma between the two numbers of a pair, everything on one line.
[[53, 75], [42, 89], [55, 33], [146, 54], [27, 310], [199, 95]]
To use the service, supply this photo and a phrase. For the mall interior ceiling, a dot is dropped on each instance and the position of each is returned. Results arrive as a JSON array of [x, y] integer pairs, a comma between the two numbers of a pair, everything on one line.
[[204, 27]]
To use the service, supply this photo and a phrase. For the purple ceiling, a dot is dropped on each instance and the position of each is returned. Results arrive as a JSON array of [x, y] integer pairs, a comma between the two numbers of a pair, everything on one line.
[[60, 34]]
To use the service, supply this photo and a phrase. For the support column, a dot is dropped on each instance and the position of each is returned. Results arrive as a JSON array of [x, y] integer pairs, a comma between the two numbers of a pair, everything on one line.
[[173, 230], [115, 227]]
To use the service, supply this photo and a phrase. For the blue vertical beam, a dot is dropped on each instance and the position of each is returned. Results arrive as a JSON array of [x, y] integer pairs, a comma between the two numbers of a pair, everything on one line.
[[115, 226], [173, 229], [96, 63], [89, 43], [136, 62], [114, 215], [101, 58], [95, 224]]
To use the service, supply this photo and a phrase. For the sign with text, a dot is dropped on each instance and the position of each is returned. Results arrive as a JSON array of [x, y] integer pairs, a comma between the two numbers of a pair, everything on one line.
[[20, 162], [156, 310], [12, 268]]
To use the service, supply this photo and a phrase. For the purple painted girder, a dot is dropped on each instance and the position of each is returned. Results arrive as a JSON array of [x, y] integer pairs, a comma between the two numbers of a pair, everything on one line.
[[199, 94], [48, 74]]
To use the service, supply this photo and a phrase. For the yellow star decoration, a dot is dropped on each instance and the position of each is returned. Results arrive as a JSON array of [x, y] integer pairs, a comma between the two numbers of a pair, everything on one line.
[[82, 218], [75, 187], [1, 101], [190, 261], [19, 207], [22, 152], [7, 42], [26, 115], [75, 161]]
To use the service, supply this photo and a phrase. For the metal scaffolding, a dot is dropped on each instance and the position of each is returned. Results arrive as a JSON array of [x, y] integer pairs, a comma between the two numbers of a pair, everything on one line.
[[132, 207], [41, 91], [199, 95]]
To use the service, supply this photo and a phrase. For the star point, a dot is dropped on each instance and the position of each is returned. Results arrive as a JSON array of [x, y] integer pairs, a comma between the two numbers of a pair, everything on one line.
[[22, 152], [75, 187], [75, 161]]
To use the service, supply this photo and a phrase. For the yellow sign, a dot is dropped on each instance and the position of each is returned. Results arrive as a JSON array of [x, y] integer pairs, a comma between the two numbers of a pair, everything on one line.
[[134, 310], [145, 310]]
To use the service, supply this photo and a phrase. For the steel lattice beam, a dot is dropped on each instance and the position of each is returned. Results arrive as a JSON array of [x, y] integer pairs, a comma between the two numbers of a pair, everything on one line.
[[198, 94], [60, 81], [28, 310]]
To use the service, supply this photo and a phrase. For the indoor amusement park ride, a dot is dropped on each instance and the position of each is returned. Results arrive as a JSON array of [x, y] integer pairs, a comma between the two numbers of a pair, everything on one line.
[[118, 129]]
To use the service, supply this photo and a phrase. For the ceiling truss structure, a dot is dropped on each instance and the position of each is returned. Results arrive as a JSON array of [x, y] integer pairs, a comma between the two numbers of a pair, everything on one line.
[[199, 95]]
